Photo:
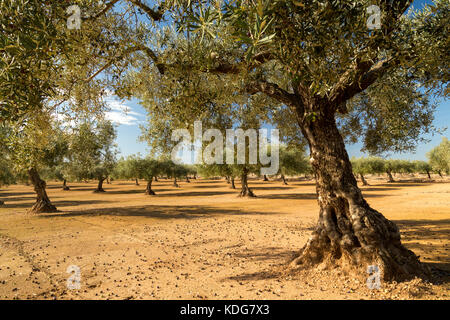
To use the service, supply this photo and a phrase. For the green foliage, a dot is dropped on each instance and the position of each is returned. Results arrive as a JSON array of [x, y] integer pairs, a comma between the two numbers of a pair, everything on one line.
[[293, 162], [439, 157], [93, 150]]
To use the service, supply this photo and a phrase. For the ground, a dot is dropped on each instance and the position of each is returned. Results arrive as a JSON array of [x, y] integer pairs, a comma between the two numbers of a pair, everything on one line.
[[201, 241]]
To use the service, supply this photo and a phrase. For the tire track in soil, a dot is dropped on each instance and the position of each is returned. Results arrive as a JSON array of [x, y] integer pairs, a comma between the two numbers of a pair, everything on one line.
[[18, 245]]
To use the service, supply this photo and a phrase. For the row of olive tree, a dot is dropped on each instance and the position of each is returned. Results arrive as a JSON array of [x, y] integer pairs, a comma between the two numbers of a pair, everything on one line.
[[135, 167], [439, 162]]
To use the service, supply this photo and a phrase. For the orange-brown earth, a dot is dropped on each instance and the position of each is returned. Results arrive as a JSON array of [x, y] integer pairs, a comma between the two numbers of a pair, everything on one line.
[[201, 241]]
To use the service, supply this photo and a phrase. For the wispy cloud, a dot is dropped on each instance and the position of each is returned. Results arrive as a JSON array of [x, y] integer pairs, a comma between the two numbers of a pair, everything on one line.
[[120, 113]]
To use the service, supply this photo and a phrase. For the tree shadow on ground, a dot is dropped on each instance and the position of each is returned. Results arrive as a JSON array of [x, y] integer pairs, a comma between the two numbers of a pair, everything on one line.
[[279, 256], [57, 204], [429, 237], [134, 191], [270, 187], [155, 211], [194, 193], [290, 196]]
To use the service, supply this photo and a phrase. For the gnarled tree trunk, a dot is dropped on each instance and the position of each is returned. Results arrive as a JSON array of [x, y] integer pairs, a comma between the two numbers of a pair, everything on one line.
[[245, 190], [148, 190], [65, 186], [390, 177], [100, 185], [283, 178], [349, 233], [363, 180], [43, 203]]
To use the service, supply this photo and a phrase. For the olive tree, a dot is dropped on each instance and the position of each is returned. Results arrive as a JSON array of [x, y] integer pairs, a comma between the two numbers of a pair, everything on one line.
[[335, 72], [93, 154], [439, 157]]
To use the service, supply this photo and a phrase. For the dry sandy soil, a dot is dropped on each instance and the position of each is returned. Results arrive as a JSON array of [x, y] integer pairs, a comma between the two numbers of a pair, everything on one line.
[[201, 241]]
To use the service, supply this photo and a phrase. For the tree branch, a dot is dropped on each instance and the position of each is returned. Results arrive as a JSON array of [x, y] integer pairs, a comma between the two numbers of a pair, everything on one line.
[[272, 90], [148, 51]]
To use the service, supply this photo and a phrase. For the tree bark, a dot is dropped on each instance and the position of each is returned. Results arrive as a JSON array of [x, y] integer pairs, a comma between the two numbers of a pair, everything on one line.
[[349, 233], [245, 190], [187, 179], [148, 190], [265, 178], [233, 186], [390, 177], [428, 173], [43, 203], [175, 184], [284, 179], [137, 181], [65, 186], [100, 185], [156, 179], [363, 180], [440, 173]]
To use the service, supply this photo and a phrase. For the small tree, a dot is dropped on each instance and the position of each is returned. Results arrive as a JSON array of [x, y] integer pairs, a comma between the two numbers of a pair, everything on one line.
[[292, 162], [422, 167], [150, 169], [94, 151], [371, 165], [439, 157]]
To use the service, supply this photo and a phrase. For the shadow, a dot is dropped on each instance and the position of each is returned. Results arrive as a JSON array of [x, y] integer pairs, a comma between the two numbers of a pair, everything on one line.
[[154, 211], [369, 188], [429, 237], [57, 203], [270, 187], [290, 196], [136, 191], [194, 193]]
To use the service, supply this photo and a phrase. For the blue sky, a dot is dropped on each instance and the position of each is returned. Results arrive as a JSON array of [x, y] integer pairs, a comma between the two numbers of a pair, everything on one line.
[[128, 115]]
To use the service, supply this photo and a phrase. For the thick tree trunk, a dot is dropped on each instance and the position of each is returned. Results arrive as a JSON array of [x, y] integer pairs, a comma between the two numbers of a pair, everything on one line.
[[43, 203], [136, 181], [100, 185], [233, 186], [148, 190], [265, 178], [156, 179], [175, 184], [363, 180], [349, 233], [284, 179], [65, 187], [245, 190], [390, 177]]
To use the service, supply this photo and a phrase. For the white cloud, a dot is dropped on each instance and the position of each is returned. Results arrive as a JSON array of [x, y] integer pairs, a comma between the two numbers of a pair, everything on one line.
[[121, 114]]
